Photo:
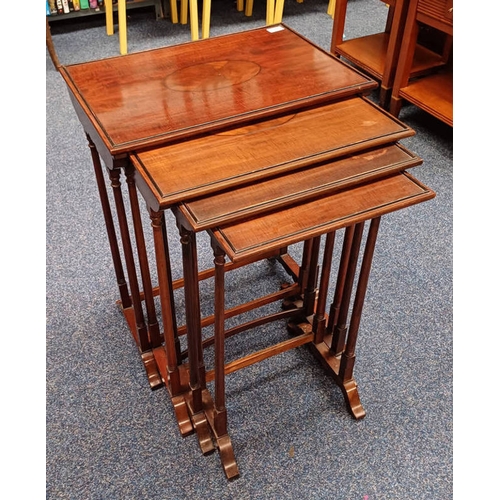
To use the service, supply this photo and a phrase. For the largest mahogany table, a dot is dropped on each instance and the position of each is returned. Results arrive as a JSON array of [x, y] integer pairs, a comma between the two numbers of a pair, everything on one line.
[[141, 101]]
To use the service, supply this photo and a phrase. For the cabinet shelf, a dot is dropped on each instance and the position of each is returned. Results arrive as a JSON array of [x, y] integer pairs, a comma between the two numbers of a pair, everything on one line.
[[370, 52], [433, 94]]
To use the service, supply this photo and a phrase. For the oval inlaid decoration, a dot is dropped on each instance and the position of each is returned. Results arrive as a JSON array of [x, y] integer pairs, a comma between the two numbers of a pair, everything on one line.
[[212, 76]]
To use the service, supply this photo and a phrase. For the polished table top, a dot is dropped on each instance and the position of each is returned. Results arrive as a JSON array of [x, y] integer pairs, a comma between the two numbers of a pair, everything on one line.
[[220, 161], [324, 179], [246, 240], [150, 98]]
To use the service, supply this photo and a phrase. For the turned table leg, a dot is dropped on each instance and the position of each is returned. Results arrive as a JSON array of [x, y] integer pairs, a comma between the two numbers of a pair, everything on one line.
[[348, 356], [335, 345], [110, 227], [145, 337], [220, 413], [319, 320], [195, 355], [340, 325], [153, 326], [173, 376]]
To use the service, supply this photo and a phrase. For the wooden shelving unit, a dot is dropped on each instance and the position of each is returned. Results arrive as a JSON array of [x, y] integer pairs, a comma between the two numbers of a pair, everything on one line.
[[378, 54], [433, 93]]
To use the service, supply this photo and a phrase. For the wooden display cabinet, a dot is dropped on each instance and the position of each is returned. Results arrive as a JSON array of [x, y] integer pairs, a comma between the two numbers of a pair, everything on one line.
[[378, 54], [433, 93]]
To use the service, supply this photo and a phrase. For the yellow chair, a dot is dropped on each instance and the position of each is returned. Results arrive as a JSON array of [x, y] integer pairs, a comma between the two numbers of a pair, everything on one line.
[[205, 16], [122, 20], [271, 10], [274, 11], [331, 8], [186, 7]]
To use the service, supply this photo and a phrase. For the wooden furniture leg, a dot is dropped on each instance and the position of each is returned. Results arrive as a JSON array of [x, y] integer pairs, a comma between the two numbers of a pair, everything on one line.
[[153, 326], [130, 308], [376, 54], [340, 326], [110, 228], [195, 356], [271, 9], [312, 278], [193, 16], [140, 330], [348, 356], [339, 287], [122, 26], [407, 51], [175, 375], [222, 438], [205, 18], [50, 45], [338, 29], [331, 8], [337, 351], [319, 320], [217, 412], [122, 22], [184, 11], [108, 10]]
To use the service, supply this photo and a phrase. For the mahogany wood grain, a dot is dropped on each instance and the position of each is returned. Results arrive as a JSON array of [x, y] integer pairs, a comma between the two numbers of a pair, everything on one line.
[[171, 174], [270, 194], [245, 240], [148, 98]]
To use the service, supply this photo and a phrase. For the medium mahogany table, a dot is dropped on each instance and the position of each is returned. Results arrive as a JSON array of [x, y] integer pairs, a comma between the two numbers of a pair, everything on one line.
[[316, 171], [165, 96]]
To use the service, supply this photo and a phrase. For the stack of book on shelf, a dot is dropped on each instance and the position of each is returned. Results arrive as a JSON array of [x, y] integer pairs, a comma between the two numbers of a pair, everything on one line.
[[61, 7]]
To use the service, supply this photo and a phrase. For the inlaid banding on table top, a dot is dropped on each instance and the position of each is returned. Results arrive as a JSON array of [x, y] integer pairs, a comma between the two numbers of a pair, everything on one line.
[[186, 170], [145, 99], [211, 76], [244, 240], [275, 193]]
